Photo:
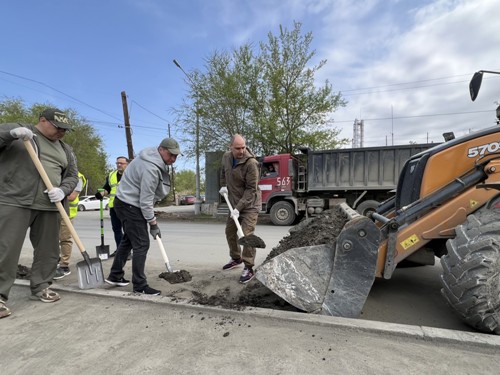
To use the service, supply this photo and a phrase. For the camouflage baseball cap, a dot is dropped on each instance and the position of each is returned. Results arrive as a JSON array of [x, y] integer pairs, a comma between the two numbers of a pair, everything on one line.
[[57, 117]]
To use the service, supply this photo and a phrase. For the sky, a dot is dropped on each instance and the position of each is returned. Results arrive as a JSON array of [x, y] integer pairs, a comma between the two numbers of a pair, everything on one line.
[[403, 66]]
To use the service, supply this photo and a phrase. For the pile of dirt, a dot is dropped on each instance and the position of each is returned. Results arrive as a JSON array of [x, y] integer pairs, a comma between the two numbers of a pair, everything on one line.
[[318, 230], [176, 277]]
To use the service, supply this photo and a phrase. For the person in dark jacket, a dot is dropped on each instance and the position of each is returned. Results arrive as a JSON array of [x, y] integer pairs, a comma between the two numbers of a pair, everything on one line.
[[240, 181], [146, 181], [26, 203]]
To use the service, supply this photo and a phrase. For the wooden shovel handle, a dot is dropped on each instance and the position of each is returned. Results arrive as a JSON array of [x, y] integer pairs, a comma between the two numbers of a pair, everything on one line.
[[49, 186]]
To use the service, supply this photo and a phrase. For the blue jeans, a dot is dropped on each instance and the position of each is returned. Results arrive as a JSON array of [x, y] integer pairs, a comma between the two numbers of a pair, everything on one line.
[[136, 236]]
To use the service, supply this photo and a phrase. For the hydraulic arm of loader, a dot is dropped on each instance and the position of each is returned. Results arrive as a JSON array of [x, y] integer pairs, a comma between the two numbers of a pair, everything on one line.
[[331, 279]]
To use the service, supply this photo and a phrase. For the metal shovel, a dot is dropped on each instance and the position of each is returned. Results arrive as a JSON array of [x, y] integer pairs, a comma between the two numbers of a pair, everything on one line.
[[102, 250], [251, 240], [90, 274]]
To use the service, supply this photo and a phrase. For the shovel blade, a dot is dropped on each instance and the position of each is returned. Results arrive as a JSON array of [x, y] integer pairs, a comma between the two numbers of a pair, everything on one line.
[[252, 241], [90, 274], [102, 252]]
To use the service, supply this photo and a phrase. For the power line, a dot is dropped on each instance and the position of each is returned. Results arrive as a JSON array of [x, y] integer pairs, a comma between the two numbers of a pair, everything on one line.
[[415, 116], [147, 110], [59, 91]]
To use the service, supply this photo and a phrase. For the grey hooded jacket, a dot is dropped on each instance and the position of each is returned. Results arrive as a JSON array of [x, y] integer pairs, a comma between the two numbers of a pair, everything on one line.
[[145, 182]]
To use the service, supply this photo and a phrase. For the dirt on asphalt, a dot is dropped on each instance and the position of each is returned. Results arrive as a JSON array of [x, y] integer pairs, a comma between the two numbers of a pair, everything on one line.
[[221, 288]]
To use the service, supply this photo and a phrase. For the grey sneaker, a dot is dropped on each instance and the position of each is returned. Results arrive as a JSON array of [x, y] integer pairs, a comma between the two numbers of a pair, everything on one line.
[[61, 272], [46, 295], [4, 310]]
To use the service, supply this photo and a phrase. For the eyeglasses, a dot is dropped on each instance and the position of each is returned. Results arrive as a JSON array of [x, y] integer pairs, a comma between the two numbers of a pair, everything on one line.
[[57, 127]]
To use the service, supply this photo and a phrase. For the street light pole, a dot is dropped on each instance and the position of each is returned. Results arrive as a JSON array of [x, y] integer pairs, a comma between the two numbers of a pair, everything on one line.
[[197, 202]]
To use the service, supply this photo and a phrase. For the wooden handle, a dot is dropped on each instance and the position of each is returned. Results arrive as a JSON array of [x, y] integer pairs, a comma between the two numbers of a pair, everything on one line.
[[236, 221], [49, 186]]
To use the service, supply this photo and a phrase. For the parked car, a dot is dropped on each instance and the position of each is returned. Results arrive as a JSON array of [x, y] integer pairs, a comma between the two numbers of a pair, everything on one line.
[[187, 199], [89, 202]]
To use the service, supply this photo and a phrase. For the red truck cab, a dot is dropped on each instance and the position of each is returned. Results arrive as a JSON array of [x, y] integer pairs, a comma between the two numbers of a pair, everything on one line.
[[276, 185]]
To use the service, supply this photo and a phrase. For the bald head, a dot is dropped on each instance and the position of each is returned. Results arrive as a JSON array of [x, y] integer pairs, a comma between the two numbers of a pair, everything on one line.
[[238, 147]]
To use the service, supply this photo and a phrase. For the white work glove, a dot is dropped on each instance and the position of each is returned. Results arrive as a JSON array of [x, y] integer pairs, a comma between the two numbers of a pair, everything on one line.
[[223, 190], [22, 133], [56, 195], [235, 214]]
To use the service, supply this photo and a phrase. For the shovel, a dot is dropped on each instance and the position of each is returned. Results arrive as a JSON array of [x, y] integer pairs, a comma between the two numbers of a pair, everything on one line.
[[251, 240], [164, 255], [102, 250], [90, 274]]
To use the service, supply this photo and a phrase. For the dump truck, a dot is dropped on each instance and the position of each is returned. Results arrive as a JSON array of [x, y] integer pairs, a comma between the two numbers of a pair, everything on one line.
[[446, 205], [304, 185]]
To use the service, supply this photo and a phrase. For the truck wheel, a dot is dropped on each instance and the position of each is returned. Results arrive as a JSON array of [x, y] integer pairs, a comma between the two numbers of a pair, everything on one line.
[[471, 271], [365, 208], [282, 213]]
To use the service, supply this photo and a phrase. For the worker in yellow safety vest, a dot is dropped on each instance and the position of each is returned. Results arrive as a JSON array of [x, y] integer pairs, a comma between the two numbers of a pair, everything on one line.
[[65, 238], [112, 181]]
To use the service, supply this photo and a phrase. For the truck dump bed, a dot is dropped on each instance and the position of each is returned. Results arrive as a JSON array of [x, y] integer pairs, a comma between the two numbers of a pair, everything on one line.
[[367, 168]]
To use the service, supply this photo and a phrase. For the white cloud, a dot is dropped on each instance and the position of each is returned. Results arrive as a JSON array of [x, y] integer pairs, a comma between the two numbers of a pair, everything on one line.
[[446, 39]]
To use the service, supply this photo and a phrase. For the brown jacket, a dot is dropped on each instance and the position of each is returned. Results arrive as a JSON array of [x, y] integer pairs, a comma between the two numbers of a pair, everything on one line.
[[242, 181]]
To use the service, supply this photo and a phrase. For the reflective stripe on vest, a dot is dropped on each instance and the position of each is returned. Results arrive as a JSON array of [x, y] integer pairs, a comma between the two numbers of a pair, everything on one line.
[[73, 205], [113, 183]]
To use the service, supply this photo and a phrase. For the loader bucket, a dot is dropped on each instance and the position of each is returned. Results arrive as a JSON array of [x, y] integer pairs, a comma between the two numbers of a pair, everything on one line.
[[331, 279]]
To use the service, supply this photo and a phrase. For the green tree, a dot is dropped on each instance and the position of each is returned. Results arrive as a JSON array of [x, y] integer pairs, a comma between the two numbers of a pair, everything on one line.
[[87, 145], [269, 96], [185, 182]]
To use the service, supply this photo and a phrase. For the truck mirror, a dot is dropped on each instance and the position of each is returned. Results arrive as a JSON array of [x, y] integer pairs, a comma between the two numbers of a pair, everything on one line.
[[475, 84]]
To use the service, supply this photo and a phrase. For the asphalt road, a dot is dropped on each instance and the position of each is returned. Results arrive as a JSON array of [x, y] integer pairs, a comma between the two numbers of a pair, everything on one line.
[[411, 297], [108, 331]]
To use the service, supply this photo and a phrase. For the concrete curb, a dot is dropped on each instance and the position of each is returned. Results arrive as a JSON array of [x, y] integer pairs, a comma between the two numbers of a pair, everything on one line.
[[428, 334]]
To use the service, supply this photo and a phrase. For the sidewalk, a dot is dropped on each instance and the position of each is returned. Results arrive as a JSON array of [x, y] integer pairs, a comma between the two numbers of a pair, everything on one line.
[[107, 331]]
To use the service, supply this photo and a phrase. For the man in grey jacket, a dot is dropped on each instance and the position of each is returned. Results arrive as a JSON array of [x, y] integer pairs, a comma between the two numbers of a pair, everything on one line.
[[25, 202], [145, 181]]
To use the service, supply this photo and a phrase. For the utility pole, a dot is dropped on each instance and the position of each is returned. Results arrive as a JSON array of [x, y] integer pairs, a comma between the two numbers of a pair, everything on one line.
[[128, 133], [173, 171]]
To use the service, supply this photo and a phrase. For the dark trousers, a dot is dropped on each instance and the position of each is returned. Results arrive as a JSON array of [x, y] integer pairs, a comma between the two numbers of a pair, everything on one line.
[[136, 236], [116, 225]]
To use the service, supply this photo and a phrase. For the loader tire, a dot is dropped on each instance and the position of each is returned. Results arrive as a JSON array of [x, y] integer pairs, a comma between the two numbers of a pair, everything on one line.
[[471, 271], [282, 213], [366, 208]]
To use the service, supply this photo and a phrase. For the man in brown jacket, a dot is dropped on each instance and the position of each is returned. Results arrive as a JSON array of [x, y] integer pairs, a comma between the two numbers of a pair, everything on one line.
[[239, 180]]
